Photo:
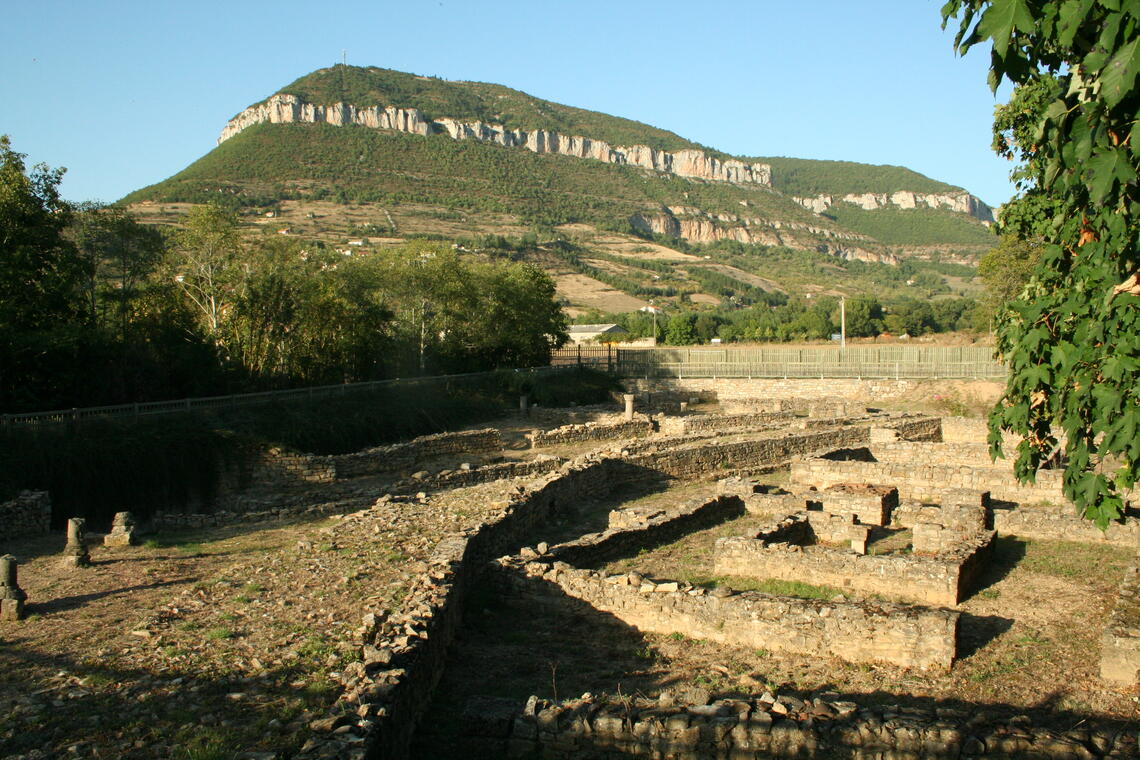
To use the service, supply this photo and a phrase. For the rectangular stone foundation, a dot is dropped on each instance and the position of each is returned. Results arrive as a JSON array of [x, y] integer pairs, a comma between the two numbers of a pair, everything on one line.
[[852, 631], [942, 579]]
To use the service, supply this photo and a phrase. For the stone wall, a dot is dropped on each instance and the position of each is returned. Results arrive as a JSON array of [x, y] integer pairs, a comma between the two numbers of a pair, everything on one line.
[[1061, 522], [403, 456], [715, 423], [923, 454], [704, 458], [403, 655], [851, 631], [937, 580], [29, 514], [928, 483], [777, 726], [639, 427], [630, 532], [1120, 644]]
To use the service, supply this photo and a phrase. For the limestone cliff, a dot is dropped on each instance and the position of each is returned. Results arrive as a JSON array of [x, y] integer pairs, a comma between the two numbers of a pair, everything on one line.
[[696, 226], [692, 164], [961, 202]]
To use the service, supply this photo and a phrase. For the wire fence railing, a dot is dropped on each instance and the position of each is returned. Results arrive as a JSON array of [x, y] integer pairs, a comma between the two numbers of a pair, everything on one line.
[[871, 362]]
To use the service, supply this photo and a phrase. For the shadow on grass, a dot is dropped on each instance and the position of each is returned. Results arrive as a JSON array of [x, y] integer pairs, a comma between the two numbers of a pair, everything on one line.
[[65, 603], [134, 713]]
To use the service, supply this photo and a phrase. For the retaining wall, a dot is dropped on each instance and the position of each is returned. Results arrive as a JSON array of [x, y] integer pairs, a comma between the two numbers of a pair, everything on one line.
[[927, 483], [1060, 522], [780, 726], [403, 655], [592, 431], [29, 514]]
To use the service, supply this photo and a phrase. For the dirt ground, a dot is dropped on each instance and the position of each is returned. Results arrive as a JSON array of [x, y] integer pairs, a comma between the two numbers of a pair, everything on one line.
[[207, 645]]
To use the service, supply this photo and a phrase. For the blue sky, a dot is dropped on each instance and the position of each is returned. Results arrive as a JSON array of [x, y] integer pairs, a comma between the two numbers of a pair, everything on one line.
[[125, 93]]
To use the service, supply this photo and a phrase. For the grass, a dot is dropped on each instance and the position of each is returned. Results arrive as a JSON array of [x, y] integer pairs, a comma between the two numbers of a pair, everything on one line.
[[1071, 560], [219, 634], [767, 586]]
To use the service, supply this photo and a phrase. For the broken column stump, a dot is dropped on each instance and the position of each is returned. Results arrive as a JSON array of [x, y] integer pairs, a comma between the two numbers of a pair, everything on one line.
[[75, 554], [122, 531], [12, 597]]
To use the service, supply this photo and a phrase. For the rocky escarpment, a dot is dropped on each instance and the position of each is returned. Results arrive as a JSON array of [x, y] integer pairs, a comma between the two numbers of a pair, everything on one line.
[[697, 226], [692, 164], [961, 201]]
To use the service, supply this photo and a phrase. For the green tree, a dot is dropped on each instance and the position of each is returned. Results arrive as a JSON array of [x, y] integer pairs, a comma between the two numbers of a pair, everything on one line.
[[119, 255], [205, 265], [680, 330], [1006, 269], [1072, 342], [864, 317], [41, 277]]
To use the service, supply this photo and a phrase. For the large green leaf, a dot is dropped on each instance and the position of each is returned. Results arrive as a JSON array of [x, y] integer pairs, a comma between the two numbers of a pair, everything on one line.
[[1104, 169], [1001, 19], [1119, 75]]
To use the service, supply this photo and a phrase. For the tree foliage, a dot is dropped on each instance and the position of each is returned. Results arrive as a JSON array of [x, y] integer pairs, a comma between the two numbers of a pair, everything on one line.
[[1072, 342], [40, 275]]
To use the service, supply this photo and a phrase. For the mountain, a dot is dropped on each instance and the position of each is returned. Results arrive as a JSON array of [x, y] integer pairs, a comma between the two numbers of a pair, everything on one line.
[[346, 151]]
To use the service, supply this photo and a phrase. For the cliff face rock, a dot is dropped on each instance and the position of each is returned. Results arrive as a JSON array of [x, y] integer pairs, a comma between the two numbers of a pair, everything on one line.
[[962, 202], [696, 226], [692, 164]]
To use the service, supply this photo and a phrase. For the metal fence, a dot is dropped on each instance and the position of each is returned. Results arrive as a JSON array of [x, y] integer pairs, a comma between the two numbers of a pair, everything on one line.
[[237, 400], [892, 362]]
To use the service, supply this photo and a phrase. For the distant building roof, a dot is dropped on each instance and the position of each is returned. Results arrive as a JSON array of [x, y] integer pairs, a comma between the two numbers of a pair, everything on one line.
[[596, 329], [583, 333]]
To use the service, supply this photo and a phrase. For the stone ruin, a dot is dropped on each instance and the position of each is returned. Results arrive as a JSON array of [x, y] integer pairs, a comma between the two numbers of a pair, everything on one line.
[[827, 522], [123, 531], [12, 597], [75, 553]]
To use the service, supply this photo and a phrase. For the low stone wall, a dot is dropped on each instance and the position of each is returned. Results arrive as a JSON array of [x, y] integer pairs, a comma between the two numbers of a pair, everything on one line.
[[937, 580], [638, 427], [489, 472], [704, 458], [403, 655], [928, 483], [736, 422], [631, 532], [779, 726], [29, 514], [851, 631], [917, 428], [1120, 644], [1060, 522], [923, 454], [403, 456], [965, 430]]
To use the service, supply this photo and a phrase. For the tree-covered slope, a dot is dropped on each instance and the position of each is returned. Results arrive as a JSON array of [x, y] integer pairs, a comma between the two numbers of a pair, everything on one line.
[[272, 161], [808, 177]]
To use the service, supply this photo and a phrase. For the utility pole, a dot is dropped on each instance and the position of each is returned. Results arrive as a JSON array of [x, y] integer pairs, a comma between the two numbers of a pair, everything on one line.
[[343, 57], [842, 322]]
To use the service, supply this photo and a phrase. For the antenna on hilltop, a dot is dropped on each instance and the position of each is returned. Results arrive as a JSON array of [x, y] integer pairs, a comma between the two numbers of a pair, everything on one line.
[[344, 57]]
